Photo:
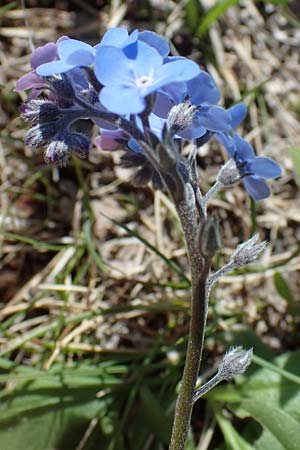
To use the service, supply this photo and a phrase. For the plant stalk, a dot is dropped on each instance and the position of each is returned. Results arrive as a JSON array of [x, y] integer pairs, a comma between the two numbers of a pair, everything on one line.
[[199, 298]]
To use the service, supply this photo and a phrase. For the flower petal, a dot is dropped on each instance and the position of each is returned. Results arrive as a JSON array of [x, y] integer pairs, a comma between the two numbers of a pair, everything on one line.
[[108, 140], [134, 146], [227, 142], [163, 104], [179, 70], [145, 58], [43, 54], [256, 187], [192, 132], [202, 90], [238, 113], [53, 68], [243, 148], [264, 167], [115, 37], [112, 66], [76, 53], [154, 40], [28, 81], [213, 118], [122, 100]]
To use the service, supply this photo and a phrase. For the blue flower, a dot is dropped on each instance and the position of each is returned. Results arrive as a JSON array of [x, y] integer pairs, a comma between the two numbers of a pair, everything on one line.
[[201, 92], [154, 40], [134, 72], [72, 53], [119, 37], [252, 169]]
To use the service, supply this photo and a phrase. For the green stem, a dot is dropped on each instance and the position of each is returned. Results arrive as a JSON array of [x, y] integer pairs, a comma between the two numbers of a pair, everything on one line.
[[199, 273]]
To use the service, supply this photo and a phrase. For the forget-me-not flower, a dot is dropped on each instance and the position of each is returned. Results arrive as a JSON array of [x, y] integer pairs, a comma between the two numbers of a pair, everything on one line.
[[201, 92], [252, 169], [134, 72]]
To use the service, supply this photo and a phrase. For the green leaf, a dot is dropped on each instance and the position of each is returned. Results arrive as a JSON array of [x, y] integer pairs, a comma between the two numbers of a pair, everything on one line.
[[192, 11], [56, 410], [154, 415], [91, 247], [232, 438], [270, 395], [285, 292], [282, 425], [213, 14], [33, 242], [295, 155]]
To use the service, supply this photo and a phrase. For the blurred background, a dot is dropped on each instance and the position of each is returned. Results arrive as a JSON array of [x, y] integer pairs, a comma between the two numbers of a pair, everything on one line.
[[94, 278]]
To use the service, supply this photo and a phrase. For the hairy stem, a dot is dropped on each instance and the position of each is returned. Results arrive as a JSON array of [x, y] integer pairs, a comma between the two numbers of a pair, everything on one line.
[[199, 299]]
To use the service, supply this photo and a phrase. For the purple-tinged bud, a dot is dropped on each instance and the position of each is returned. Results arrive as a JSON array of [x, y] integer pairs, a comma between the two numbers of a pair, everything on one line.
[[248, 251], [41, 134], [80, 144], [62, 86], [229, 174], [181, 116], [58, 152], [235, 362], [39, 111]]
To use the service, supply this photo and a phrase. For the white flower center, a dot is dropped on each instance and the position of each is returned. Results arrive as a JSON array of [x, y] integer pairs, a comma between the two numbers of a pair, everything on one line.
[[144, 81]]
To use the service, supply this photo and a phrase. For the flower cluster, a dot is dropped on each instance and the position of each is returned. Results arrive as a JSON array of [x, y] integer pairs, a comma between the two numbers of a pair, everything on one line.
[[142, 99]]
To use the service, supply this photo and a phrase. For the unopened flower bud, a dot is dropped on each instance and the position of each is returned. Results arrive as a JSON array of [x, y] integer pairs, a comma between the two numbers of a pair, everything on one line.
[[80, 144], [39, 111], [62, 86], [180, 116], [235, 362], [229, 174], [248, 251], [210, 239], [58, 152], [41, 134]]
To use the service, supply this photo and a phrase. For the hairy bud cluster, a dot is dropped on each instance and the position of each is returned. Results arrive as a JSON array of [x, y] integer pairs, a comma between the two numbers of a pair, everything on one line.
[[248, 251], [235, 362], [229, 173], [180, 116], [40, 111], [59, 150], [41, 134]]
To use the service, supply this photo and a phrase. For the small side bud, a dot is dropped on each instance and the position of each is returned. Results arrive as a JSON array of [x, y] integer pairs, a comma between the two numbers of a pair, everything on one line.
[[248, 251], [180, 116], [40, 111], [58, 152], [62, 86], [229, 174], [235, 362], [210, 238], [41, 134]]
